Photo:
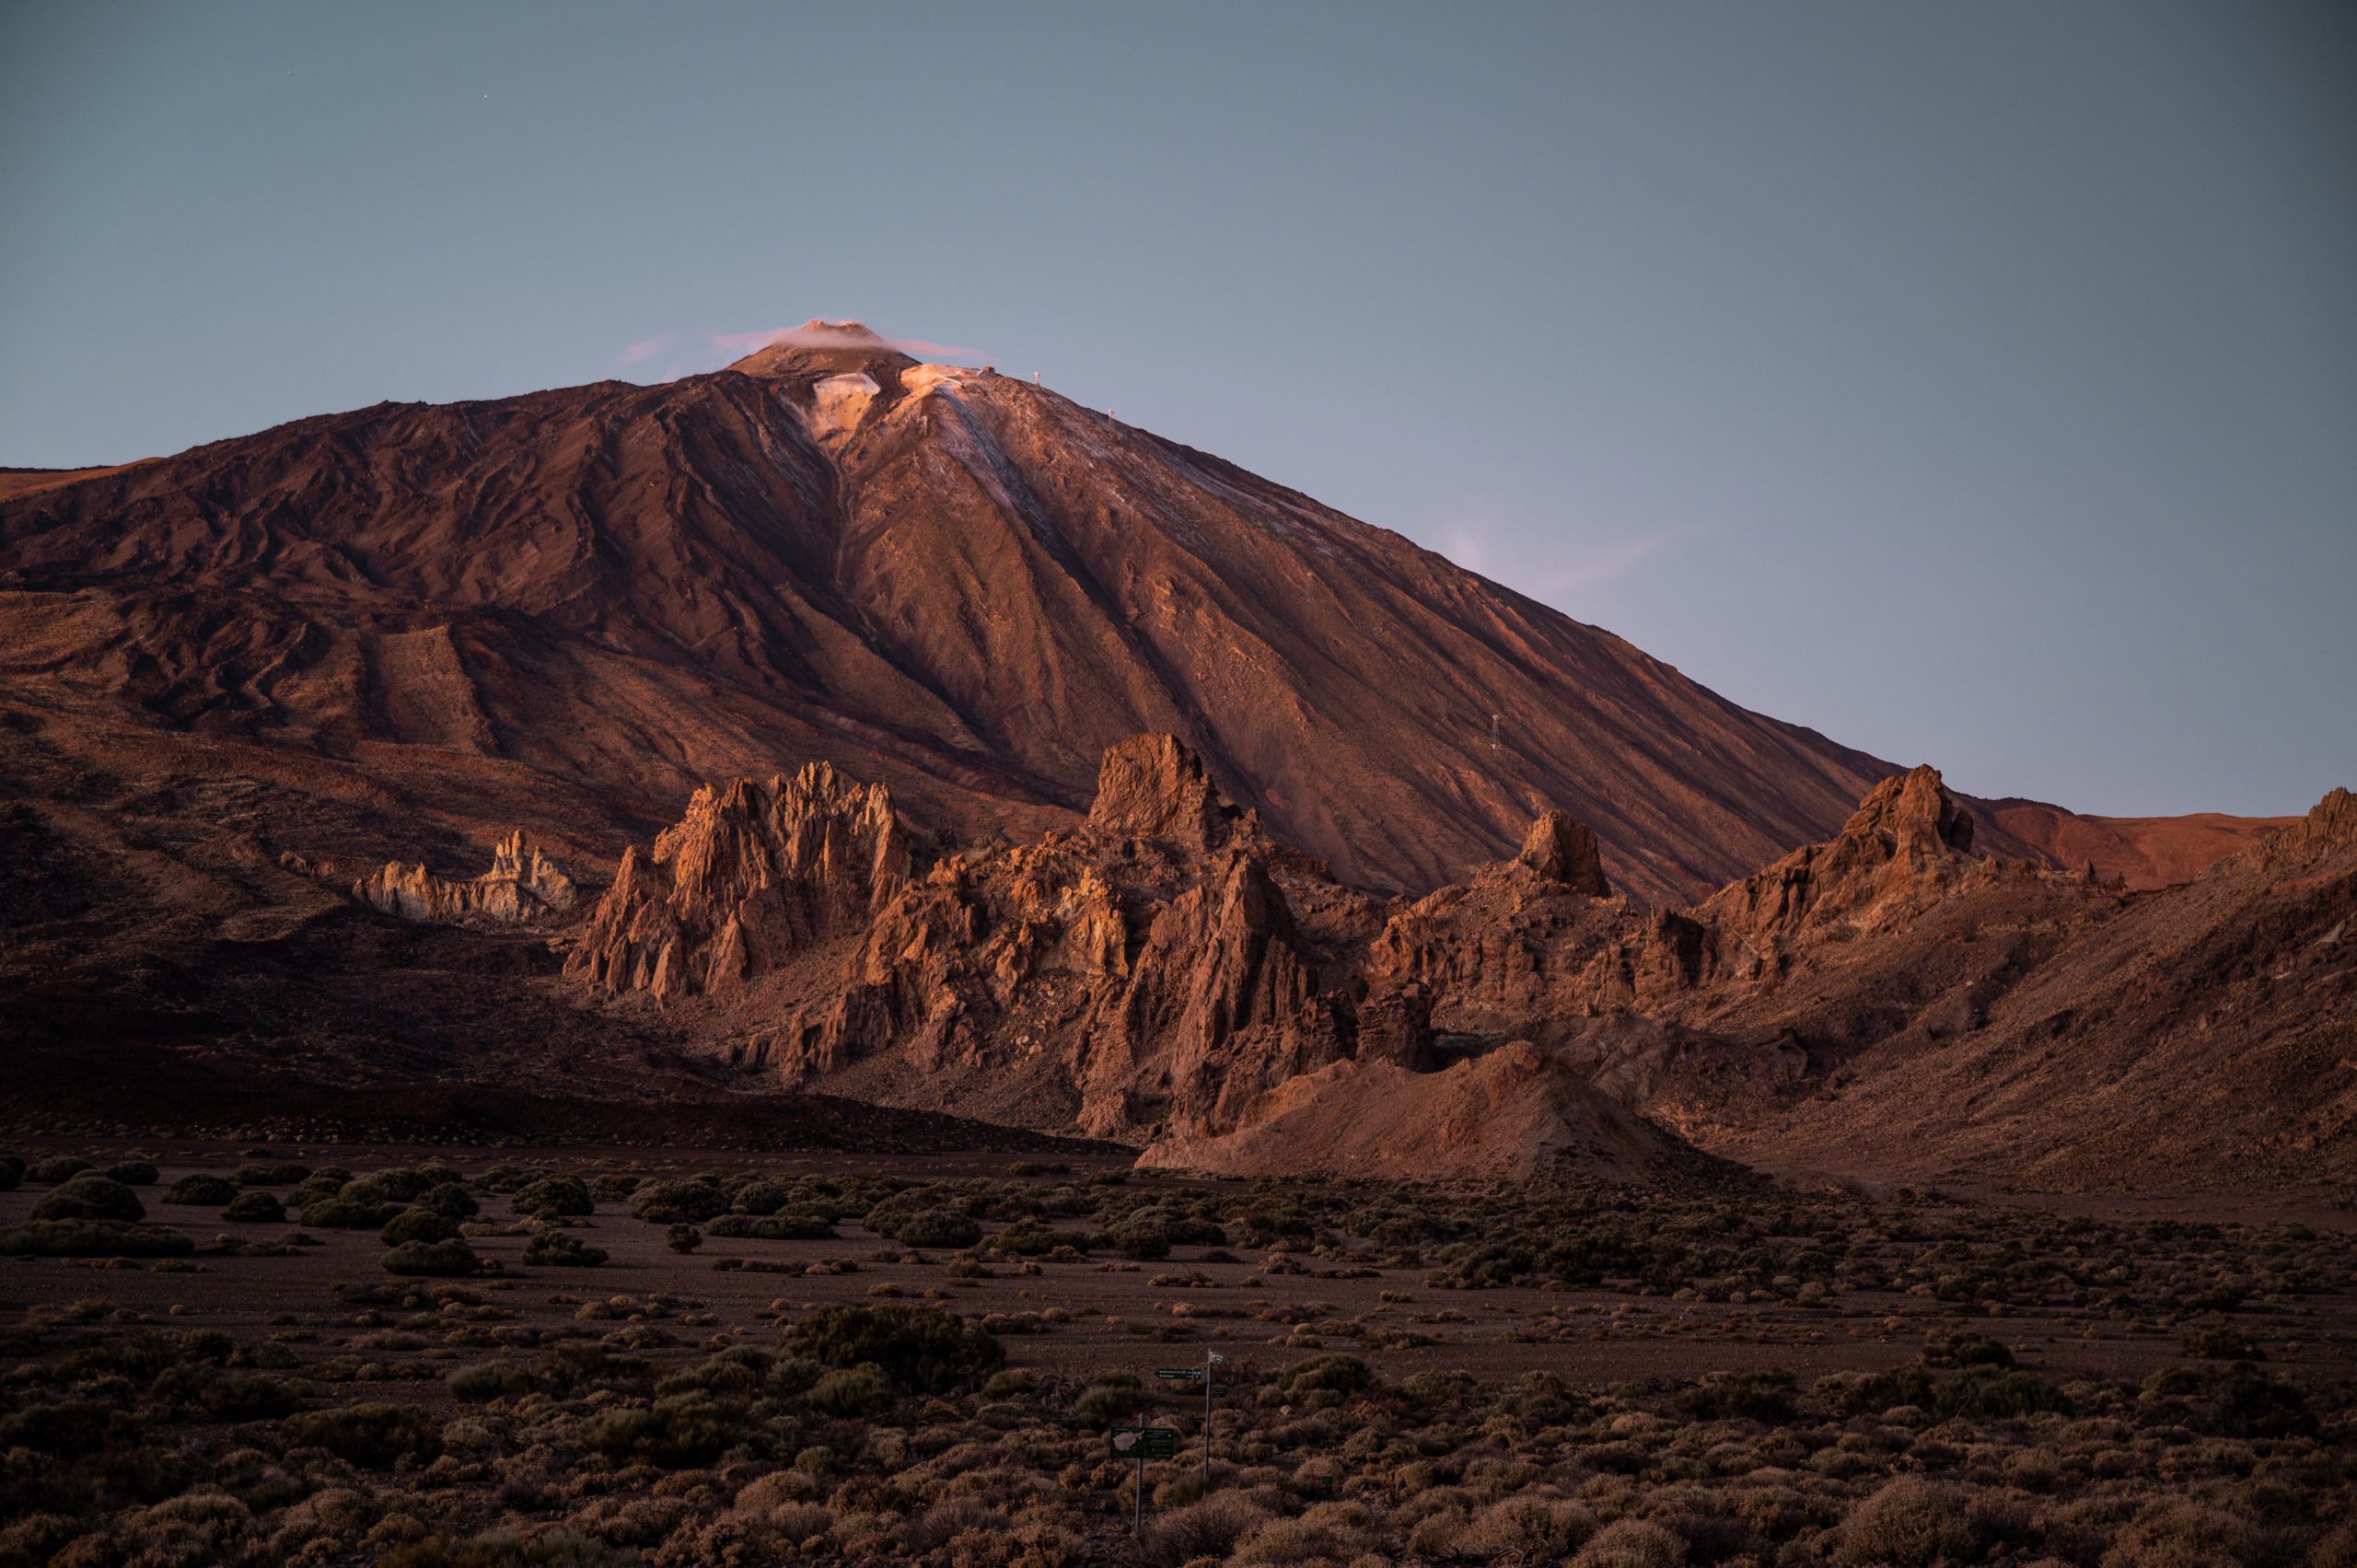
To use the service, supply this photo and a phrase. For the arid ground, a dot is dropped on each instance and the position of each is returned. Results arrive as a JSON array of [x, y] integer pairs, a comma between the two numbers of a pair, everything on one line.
[[594, 1356]]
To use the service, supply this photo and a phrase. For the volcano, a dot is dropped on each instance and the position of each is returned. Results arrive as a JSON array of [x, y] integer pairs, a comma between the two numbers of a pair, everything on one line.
[[566, 611], [304, 733]]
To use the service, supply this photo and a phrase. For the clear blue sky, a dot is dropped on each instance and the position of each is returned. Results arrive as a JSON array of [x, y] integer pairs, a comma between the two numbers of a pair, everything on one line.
[[1977, 382]]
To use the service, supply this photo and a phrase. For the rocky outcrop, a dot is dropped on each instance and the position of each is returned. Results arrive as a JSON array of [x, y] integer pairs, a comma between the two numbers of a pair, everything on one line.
[[1148, 968], [751, 876], [1908, 845], [1561, 850], [522, 888], [1152, 786], [1224, 1003], [1168, 975], [1510, 952], [2329, 830]]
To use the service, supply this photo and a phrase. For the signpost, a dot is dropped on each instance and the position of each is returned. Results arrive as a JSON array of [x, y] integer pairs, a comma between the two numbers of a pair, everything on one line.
[[1143, 1443]]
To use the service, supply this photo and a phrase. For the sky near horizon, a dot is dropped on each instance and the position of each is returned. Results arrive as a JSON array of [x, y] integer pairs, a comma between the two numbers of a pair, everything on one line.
[[1974, 383]]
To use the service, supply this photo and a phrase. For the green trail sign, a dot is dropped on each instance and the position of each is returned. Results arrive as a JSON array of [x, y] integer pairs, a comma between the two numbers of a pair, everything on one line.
[[1144, 1441], [1180, 1374]]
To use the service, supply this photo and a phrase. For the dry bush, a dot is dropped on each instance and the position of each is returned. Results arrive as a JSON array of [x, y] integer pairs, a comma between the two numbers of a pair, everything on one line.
[[431, 1259], [1527, 1528], [1631, 1543], [1908, 1523], [89, 1197], [1210, 1528]]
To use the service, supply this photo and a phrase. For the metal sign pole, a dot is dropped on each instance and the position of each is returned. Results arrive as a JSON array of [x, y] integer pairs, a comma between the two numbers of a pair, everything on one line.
[[1211, 1360], [1137, 1525]]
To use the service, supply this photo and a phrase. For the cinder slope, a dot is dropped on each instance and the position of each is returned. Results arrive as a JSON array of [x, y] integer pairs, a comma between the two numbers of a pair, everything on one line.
[[2142, 852], [1515, 1114]]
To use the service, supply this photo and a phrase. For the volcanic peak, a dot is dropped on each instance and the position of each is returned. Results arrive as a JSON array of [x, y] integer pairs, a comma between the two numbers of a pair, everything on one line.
[[821, 347]]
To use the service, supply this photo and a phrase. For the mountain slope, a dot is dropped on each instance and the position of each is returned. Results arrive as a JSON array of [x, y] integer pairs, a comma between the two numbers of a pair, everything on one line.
[[581, 604]]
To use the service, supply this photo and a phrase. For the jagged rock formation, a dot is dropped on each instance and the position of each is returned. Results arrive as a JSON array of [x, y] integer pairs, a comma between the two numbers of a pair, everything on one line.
[[1146, 968], [522, 887], [751, 877], [1150, 787], [1169, 973], [1561, 850], [2074, 1034]]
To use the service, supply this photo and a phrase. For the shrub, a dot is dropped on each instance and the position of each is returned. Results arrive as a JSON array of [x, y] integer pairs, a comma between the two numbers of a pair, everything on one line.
[[504, 1178], [924, 1349], [450, 1201], [1763, 1396], [552, 1196], [2250, 1405], [932, 1227], [1961, 1348], [373, 1437], [12, 1173], [492, 1380], [2222, 1342], [682, 1430], [57, 1170], [1343, 1374], [683, 1238], [317, 1188], [862, 1391], [255, 1207], [765, 1196], [1908, 1523], [432, 1258], [1440, 1388], [677, 1202], [1528, 1528], [1631, 1543], [343, 1213], [92, 1238], [554, 1248], [133, 1173], [417, 1225], [1029, 1237], [771, 1227], [1996, 1395], [1109, 1399], [273, 1173], [501, 1549], [92, 1198], [1207, 1528], [68, 1428], [204, 1191]]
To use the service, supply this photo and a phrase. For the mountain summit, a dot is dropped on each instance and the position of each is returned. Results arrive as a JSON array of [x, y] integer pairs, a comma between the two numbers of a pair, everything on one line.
[[566, 612]]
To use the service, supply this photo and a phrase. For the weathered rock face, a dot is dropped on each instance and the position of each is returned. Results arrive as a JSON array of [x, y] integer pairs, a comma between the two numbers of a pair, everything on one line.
[[1147, 968], [1151, 786], [1907, 846], [2329, 830], [522, 888], [752, 876], [1168, 974], [1510, 953], [1223, 1003], [1564, 851]]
